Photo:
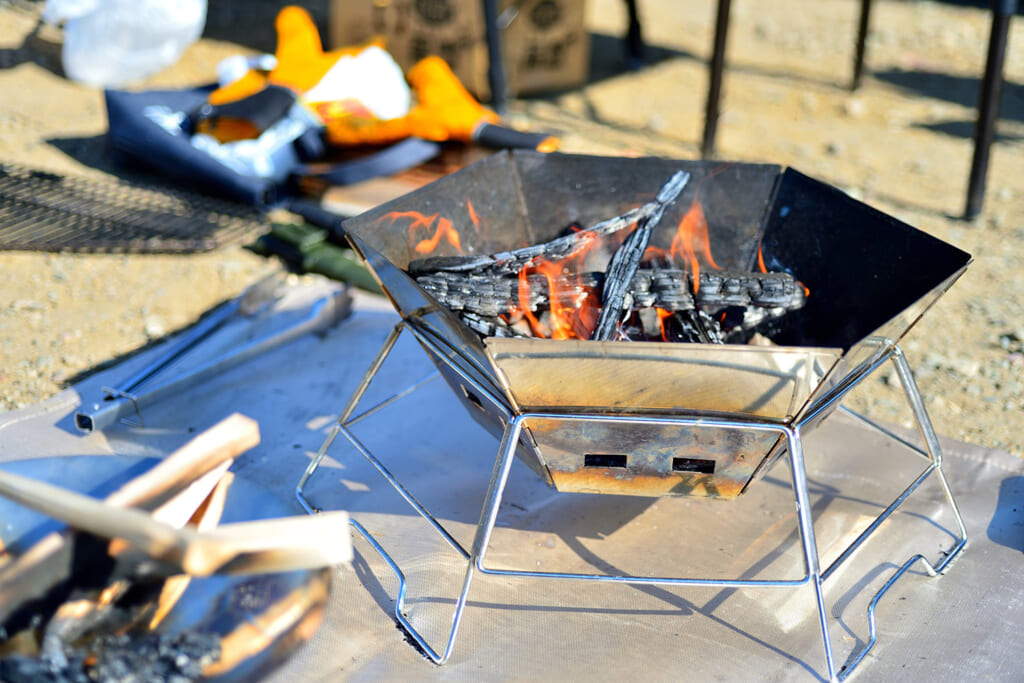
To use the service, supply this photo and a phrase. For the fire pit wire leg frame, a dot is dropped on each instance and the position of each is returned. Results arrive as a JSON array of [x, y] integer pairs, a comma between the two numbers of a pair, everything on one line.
[[813, 573]]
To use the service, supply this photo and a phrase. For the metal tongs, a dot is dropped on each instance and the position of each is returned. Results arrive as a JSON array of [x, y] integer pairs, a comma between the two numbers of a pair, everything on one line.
[[142, 387]]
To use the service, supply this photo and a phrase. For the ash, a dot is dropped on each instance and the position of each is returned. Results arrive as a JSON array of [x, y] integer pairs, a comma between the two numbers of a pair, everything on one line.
[[125, 658]]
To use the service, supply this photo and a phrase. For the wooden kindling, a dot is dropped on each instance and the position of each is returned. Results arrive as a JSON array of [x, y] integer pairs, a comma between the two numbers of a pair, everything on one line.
[[638, 300]]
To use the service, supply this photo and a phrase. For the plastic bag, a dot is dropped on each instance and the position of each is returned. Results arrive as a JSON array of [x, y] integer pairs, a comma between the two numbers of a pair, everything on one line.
[[114, 42]]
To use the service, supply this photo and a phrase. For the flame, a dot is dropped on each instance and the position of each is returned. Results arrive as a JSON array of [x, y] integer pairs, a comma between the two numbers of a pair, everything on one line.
[[418, 221], [573, 310], [691, 239], [764, 269], [663, 314], [445, 230], [472, 216]]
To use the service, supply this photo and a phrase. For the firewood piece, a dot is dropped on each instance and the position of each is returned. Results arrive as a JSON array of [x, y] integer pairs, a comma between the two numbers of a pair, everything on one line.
[[667, 288], [515, 260], [559, 248], [624, 263], [769, 290], [487, 326]]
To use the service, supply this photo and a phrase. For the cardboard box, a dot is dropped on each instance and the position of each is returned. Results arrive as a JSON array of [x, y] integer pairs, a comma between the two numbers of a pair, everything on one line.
[[545, 44]]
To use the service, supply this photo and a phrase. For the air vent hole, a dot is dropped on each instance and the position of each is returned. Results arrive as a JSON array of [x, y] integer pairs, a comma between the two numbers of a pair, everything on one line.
[[697, 465], [604, 460]]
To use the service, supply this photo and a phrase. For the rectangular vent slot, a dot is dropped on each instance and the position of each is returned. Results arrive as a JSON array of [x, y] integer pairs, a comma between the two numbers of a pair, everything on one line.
[[604, 460], [693, 465], [473, 398]]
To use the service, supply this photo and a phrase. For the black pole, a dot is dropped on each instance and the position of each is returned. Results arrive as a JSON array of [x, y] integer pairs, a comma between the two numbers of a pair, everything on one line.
[[635, 50], [496, 59], [988, 104], [862, 39], [707, 148]]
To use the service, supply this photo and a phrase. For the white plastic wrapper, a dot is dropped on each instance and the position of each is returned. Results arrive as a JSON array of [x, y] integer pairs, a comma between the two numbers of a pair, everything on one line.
[[109, 43], [372, 78]]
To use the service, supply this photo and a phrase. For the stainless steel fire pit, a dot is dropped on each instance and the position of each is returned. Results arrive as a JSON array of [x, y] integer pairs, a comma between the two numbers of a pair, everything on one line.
[[659, 418]]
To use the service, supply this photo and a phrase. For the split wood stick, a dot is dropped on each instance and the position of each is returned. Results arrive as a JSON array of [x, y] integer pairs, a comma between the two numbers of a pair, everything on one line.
[[38, 573], [626, 260], [264, 546]]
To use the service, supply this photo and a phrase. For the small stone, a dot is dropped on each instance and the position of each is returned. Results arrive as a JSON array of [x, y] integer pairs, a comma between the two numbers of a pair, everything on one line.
[[26, 305], [656, 123], [918, 167], [155, 327], [835, 148], [855, 108], [968, 367]]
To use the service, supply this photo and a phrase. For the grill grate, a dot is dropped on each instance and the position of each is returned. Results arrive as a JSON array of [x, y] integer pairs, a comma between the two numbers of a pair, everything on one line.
[[44, 211]]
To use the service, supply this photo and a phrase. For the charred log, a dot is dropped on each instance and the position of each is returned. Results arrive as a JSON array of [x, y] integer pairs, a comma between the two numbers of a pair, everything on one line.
[[507, 294], [665, 288], [615, 299]]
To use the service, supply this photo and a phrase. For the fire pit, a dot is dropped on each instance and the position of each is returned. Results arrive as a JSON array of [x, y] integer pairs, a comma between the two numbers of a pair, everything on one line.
[[784, 292]]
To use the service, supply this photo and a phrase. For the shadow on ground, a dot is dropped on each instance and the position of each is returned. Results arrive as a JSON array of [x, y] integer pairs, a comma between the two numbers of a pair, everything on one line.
[[961, 90]]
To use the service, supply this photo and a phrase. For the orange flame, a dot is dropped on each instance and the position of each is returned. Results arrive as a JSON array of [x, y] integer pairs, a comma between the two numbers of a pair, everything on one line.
[[663, 314], [764, 269], [419, 221], [571, 315], [692, 239], [445, 230]]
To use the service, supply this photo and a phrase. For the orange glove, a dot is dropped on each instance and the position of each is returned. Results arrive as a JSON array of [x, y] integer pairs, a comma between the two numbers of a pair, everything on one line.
[[444, 111]]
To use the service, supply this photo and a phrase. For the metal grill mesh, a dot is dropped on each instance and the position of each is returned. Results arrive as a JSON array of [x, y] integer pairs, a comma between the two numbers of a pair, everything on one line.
[[44, 211]]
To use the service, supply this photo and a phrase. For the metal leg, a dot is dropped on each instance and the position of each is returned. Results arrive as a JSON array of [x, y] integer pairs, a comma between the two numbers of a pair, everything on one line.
[[803, 506], [514, 424], [636, 52], [862, 39], [356, 397], [707, 147], [934, 453], [988, 104]]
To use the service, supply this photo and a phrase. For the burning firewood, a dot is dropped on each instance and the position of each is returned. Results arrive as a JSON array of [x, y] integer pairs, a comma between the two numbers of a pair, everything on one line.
[[615, 295], [516, 293], [557, 249], [667, 288]]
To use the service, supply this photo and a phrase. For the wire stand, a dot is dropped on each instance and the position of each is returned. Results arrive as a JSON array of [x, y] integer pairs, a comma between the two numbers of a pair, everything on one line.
[[814, 575]]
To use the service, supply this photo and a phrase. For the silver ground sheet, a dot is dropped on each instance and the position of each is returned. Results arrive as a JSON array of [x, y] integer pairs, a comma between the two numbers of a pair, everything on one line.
[[968, 623]]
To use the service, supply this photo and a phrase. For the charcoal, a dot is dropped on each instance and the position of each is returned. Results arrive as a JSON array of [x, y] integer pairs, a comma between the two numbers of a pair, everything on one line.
[[720, 288], [694, 326], [637, 300], [122, 658], [488, 327], [666, 288]]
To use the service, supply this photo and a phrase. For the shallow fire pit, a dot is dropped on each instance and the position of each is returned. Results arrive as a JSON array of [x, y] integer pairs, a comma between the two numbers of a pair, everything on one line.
[[793, 292]]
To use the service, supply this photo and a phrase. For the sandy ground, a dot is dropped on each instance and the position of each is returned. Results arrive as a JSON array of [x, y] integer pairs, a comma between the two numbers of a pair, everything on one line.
[[902, 143]]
